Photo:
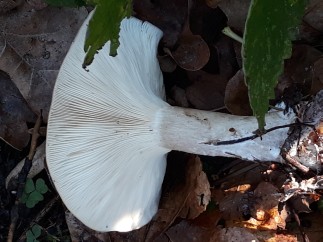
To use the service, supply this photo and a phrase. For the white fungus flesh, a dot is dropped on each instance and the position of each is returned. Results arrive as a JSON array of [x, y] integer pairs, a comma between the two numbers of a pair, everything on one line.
[[110, 129], [101, 140]]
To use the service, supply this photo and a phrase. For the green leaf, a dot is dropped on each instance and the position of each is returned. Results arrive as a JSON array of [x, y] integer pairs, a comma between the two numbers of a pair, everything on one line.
[[35, 196], [41, 186], [36, 229], [105, 26], [66, 3], [24, 197], [269, 29], [29, 187], [30, 203], [30, 236]]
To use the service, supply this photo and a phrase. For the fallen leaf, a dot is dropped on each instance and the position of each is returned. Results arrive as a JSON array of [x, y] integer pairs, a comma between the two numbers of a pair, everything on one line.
[[179, 96], [236, 12], [166, 63], [199, 187], [299, 68], [191, 192], [265, 213], [235, 234], [207, 90], [317, 81], [14, 114], [32, 45], [192, 52], [236, 98], [168, 15], [8, 5], [313, 15], [188, 232]]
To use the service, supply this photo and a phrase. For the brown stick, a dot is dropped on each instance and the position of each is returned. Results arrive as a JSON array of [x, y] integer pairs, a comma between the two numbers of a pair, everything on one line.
[[22, 178]]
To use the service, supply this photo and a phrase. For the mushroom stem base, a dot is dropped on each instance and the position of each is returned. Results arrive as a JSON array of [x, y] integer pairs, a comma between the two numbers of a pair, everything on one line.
[[199, 132]]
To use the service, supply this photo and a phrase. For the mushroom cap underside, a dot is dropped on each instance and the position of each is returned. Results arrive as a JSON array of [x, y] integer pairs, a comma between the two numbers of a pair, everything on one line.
[[102, 149]]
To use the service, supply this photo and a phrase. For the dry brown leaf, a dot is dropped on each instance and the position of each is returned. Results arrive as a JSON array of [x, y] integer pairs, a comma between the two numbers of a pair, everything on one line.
[[298, 70], [192, 52], [236, 11], [169, 16], [226, 57], [8, 5], [207, 90], [179, 96], [33, 45], [317, 82], [199, 187], [313, 15], [264, 212], [235, 234], [181, 198], [212, 3], [234, 204], [236, 98], [186, 231], [14, 113], [79, 232], [166, 63]]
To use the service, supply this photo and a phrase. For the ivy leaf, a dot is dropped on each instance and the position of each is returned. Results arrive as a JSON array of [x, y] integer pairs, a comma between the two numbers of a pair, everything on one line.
[[30, 203], [36, 197], [41, 186], [30, 236], [29, 187], [105, 26], [36, 229], [269, 29]]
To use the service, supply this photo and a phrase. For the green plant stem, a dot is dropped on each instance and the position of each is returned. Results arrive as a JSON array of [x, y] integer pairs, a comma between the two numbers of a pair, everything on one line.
[[228, 32]]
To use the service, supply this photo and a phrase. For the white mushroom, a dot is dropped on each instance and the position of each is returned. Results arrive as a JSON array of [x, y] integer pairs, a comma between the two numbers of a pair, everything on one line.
[[110, 130]]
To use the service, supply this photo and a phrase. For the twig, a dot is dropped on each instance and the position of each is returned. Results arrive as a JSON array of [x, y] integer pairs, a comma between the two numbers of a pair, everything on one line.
[[22, 178], [40, 215], [252, 137], [304, 235]]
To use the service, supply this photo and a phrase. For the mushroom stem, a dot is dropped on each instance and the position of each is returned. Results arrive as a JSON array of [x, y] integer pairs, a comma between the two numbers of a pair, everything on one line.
[[200, 132]]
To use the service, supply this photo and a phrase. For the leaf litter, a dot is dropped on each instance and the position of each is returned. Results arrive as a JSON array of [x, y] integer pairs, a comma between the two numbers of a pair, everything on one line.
[[225, 201]]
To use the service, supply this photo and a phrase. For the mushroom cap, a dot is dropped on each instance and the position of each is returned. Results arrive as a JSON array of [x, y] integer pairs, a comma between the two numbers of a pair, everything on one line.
[[103, 151]]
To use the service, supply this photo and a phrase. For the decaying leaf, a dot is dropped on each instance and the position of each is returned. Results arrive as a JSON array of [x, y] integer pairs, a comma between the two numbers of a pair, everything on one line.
[[192, 52], [313, 15], [199, 187], [187, 199], [32, 46], [236, 95], [179, 97], [304, 146], [265, 212], [169, 16], [317, 81], [236, 12], [14, 114], [186, 231], [8, 5], [235, 234], [207, 90]]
